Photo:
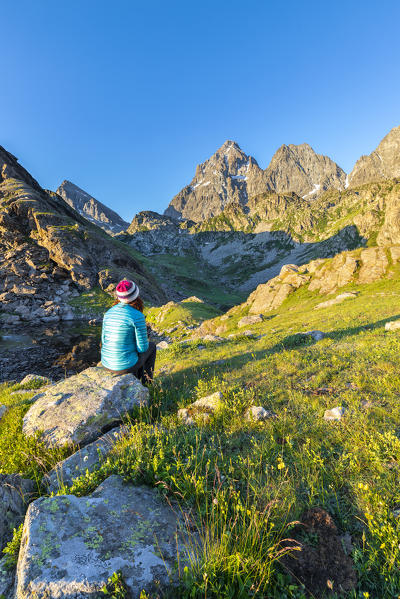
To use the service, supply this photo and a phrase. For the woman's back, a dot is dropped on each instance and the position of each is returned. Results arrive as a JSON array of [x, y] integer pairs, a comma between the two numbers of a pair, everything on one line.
[[124, 335]]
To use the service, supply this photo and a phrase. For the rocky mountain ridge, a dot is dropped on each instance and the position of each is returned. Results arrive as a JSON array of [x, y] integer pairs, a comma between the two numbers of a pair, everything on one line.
[[90, 208], [49, 253], [245, 246], [230, 176]]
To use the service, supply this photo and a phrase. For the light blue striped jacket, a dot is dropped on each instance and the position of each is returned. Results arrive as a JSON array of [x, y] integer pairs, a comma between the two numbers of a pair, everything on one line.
[[123, 335]]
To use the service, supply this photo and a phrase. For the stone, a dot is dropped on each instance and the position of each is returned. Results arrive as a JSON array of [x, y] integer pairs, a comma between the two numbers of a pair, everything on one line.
[[393, 325], [248, 333], [248, 320], [79, 409], [35, 378], [72, 545], [3, 410], [15, 493], [337, 300], [258, 413], [212, 338], [211, 403], [316, 335], [335, 413], [201, 409], [88, 458], [184, 415], [9, 318], [7, 576], [163, 345]]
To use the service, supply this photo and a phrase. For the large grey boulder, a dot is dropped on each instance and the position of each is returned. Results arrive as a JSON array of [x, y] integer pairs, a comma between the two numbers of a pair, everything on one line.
[[79, 409], [72, 545], [87, 458], [15, 493]]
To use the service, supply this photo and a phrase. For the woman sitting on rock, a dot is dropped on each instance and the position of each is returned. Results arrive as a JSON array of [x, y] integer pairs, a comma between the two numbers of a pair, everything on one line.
[[125, 346]]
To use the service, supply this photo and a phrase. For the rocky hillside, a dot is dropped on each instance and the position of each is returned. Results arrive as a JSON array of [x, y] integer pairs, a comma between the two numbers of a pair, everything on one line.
[[230, 176], [382, 163], [49, 253], [90, 208]]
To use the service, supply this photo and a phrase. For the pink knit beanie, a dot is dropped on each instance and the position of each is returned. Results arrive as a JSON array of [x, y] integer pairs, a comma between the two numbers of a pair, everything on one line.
[[127, 291]]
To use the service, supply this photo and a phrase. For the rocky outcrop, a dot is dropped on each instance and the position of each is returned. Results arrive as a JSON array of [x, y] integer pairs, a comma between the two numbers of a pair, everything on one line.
[[48, 252], [382, 163], [72, 545], [325, 276], [272, 294], [79, 409], [90, 208]]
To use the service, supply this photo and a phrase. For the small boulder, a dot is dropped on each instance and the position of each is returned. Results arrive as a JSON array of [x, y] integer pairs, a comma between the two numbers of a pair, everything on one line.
[[335, 413], [87, 458], [201, 409], [77, 410], [162, 345], [212, 338], [394, 325], [337, 300], [211, 403], [258, 413], [72, 545], [3, 410], [249, 320], [316, 335]]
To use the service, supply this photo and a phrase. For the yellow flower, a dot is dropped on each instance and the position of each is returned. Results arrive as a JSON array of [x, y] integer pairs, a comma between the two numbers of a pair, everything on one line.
[[281, 465]]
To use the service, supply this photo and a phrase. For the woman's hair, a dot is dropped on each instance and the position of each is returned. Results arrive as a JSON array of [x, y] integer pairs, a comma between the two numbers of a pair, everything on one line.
[[137, 304]]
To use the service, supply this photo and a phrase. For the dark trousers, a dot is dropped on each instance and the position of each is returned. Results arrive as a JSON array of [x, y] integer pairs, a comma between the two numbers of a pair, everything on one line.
[[144, 367]]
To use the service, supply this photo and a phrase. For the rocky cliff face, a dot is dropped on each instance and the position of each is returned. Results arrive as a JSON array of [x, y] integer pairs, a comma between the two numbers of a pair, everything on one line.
[[382, 163], [90, 208], [48, 252], [230, 176]]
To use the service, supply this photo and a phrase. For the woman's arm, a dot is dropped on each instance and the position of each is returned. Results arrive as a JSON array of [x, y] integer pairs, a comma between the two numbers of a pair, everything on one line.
[[142, 340]]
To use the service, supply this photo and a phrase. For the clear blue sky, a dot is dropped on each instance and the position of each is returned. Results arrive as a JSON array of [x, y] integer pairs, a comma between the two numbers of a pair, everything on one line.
[[124, 98]]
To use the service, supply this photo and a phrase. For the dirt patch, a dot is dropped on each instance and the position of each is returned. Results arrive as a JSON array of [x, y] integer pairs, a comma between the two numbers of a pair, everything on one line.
[[323, 564]]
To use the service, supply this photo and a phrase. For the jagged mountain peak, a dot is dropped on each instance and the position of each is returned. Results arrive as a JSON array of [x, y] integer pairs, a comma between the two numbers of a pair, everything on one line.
[[382, 163], [90, 208], [300, 169], [221, 179]]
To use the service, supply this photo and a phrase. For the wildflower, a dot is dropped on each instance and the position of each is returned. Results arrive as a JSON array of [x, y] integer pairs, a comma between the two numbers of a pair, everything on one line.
[[281, 464]]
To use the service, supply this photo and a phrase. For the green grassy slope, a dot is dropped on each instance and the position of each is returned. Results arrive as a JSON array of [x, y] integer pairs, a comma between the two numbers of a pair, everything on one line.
[[245, 482]]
